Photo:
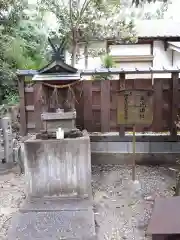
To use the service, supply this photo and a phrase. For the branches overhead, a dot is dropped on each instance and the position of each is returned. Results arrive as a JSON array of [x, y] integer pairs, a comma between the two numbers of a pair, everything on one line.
[[82, 21], [138, 2]]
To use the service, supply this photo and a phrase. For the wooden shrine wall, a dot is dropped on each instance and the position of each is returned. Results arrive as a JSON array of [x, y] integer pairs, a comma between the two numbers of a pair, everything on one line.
[[96, 104]]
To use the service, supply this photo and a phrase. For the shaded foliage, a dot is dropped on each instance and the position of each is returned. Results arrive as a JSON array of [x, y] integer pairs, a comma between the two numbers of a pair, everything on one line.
[[23, 45]]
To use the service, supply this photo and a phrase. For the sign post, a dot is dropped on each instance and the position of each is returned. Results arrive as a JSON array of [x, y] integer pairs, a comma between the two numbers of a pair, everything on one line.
[[135, 107]]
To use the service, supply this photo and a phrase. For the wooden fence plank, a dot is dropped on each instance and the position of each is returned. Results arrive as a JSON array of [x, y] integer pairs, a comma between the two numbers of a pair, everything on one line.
[[105, 106], [122, 84], [158, 105], [87, 97], [174, 103], [23, 123], [29, 89], [38, 105], [29, 108], [89, 113]]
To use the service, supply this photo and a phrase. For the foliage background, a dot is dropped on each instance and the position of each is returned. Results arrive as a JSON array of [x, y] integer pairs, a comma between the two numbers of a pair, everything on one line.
[[24, 30]]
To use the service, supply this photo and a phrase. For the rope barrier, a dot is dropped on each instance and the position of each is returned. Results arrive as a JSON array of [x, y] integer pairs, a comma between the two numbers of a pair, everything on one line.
[[61, 86]]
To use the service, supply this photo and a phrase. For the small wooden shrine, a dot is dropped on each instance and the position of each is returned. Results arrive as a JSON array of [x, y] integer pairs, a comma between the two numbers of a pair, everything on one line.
[[55, 98]]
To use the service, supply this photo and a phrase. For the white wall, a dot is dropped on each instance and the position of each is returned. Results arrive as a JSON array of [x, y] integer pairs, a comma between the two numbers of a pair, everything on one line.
[[131, 49], [135, 65], [93, 62], [161, 58], [176, 58]]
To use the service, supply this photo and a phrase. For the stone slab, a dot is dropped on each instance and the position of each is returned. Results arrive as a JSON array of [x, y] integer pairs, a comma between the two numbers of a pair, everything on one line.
[[58, 116], [53, 225], [100, 158], [63, 167], [56, 204], [5, 168], [99, 146], [160, 147], [175, 147], [141, 147], [119, 147]]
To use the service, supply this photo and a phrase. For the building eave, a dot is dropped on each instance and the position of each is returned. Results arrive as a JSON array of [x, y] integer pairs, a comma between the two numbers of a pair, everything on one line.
[[133, 58]]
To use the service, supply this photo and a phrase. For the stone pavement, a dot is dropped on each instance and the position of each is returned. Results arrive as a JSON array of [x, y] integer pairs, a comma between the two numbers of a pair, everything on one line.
[[53, 219]]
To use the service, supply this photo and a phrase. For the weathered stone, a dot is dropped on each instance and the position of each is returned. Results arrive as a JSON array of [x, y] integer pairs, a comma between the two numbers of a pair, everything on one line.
[[52, 225], [65, 120], [8, 140], [58, 167]]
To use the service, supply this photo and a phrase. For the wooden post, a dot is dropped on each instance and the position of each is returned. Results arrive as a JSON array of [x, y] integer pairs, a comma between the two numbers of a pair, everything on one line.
[[23, 123], [122, 84], [158, 105], [38, 106], [105, 105], [134, 154], [87, 97], [174, 102]]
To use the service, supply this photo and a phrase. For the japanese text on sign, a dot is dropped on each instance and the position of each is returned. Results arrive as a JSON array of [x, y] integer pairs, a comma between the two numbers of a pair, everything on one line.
[[135, 107]]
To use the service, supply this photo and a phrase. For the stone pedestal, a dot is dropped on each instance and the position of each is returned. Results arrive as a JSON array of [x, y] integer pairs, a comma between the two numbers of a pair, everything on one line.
[[58, 167], [6, 141]]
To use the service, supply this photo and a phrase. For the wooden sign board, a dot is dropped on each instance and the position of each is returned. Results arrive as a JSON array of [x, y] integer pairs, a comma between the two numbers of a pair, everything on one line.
[[135, 107]]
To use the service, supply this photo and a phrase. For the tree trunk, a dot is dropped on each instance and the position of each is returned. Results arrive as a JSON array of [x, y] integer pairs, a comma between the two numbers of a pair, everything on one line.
[[74, 52], [86, 55]]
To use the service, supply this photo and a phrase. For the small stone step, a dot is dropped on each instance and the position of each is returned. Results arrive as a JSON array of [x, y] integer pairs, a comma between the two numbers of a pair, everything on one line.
[[56, 204], [53, 225]]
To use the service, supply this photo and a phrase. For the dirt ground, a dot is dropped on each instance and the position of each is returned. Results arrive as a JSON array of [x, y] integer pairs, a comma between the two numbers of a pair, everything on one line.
[[122, 210]]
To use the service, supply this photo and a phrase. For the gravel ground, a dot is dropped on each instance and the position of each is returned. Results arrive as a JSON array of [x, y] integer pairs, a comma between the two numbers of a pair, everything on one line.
[[121, 211], [11, 196]]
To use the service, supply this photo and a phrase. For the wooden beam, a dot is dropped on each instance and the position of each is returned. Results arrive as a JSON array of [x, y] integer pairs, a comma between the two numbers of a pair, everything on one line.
[[23, 123], [31, 125], [29, 89], [152, 48], [105, 106], [29, 108], [158, 105], [122, 84], [87, 97], [133, 58], [38, 105], [174, 102]]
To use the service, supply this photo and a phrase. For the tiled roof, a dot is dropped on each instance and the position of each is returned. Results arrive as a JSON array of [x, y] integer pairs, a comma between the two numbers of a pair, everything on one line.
[[163, 69], [158, 28]]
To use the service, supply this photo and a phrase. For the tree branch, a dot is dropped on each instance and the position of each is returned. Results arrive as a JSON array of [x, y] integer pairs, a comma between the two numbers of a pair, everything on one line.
[[83, 9], [138, 2]]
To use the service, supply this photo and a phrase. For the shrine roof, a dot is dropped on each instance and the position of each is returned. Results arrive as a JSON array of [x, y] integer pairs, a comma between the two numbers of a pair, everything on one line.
[[126, 70], [56, 77], [57, 66]]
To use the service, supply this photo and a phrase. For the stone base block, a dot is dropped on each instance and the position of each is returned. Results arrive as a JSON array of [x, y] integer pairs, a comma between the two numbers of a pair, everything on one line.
[[140, 158], [58, 167]]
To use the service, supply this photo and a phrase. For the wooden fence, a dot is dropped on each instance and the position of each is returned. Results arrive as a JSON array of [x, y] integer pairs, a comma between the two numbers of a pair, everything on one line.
[[97, 104]]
